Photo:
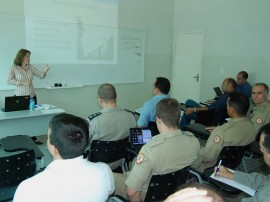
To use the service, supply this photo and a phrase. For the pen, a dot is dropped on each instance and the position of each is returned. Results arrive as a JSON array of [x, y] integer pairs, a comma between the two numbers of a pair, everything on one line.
[[218, 167]]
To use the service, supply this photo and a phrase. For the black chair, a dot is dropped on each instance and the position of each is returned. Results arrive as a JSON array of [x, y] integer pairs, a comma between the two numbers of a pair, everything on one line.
[[205, 117], [161, 186], [231, 157], [108, 152], [253, 157], [13, 170], [212, 117], [153, 127]]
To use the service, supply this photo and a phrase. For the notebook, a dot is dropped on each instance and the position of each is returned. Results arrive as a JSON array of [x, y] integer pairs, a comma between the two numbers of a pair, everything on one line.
[[139, 137], [218, 91], [16, 103]]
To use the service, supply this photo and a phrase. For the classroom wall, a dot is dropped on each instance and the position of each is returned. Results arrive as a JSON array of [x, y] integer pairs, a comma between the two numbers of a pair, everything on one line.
[[155, 17], [236, 37]]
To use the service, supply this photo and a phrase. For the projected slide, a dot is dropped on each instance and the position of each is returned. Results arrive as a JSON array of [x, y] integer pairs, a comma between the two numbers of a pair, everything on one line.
[[73, 43], [81, 33], [79, 39]]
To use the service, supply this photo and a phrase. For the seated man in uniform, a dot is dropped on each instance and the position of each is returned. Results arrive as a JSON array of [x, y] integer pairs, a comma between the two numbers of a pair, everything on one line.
[[259, 182], [69, 177], [219, 106], [260, 109], [167, 152], [242, 85], [238, 131], [111, 123], [148, 112]]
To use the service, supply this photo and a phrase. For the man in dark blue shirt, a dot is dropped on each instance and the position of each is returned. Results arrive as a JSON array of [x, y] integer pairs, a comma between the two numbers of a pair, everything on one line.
[[242, 85], [218, 106]]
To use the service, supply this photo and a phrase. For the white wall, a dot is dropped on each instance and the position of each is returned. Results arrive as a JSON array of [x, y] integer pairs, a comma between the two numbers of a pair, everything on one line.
[[155, 17], [236, 37]]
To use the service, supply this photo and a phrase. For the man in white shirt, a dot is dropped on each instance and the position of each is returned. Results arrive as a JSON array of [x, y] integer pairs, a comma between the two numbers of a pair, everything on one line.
[[69, 177]]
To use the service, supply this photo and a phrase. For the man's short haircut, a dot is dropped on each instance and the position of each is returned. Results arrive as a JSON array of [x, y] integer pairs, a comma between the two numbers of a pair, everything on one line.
[[264, 85], [20, 55], [232, 82], [69, 134], [163, 85], [266, 131], [239, 102], [107, 92], [211, 192], [244, 74], [168, 110]]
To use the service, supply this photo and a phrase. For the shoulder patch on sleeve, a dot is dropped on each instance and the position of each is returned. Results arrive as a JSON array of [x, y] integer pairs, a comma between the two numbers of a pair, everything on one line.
[[140, 158], [217, 139], [259, 121], [92, 116], [130, 111]]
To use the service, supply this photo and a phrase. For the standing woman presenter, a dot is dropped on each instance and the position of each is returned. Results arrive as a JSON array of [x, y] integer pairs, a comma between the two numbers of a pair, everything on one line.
[[21, 75]]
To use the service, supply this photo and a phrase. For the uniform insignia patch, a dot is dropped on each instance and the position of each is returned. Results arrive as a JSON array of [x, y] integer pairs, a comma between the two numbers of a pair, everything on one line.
[[140, 158], [258, 121], [92, 116], [217, 139]]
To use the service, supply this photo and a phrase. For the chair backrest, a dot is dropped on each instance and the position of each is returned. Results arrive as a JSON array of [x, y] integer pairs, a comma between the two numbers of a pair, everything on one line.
[[209, 117], [205, 117], [13, 170], [153, 127], [107, 151], [231, 156], [161, 186]]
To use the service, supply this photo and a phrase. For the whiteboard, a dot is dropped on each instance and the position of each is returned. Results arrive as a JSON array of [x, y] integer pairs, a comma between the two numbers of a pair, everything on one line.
[[78, 54]]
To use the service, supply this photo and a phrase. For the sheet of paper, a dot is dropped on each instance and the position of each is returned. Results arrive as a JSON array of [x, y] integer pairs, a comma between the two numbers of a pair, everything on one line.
[[237, 185]]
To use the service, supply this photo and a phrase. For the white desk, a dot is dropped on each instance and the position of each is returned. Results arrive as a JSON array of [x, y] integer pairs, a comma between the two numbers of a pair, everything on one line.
[[32, 123]]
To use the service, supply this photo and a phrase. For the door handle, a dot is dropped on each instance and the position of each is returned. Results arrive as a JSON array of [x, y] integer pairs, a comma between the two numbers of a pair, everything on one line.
[[197, 77]]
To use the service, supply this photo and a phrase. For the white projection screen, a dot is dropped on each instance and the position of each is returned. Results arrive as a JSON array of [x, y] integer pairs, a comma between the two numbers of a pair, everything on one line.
[[79, 39]]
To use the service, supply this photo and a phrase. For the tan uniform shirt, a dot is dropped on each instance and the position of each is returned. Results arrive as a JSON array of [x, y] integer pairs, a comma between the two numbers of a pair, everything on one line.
[[111, 124], [165, 153], [260, 115], [237, 132]]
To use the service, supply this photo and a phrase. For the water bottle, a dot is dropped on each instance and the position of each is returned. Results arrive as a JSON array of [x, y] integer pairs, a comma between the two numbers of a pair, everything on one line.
[[32, 104]]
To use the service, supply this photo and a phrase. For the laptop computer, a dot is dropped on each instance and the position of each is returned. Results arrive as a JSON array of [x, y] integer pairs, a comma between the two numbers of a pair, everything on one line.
[[16, 103], [218, 91], [139, 137]]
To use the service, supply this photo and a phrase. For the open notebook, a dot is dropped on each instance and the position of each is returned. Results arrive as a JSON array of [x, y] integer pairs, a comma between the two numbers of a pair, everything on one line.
[[235, 184]]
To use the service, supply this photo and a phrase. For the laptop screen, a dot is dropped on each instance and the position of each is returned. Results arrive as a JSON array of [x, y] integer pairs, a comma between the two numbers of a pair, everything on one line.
[[140, 136], [218, 91], [16, 103]]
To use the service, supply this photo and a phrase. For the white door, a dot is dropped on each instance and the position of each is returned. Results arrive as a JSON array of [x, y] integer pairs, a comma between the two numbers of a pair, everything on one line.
[[187, 63]]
